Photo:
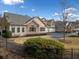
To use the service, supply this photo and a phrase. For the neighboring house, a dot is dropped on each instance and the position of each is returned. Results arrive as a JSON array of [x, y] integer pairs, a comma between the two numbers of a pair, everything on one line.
[[21, 25], [66, 26], [72, 26], [75, 26], [59, 26], [51, 25]]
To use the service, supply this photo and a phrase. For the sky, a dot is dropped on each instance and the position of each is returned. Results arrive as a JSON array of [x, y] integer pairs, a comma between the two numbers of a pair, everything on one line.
[[42, 8]]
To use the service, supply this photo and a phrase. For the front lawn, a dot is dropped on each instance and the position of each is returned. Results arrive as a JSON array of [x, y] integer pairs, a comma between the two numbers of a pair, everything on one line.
[[74, 42], [21, 40]]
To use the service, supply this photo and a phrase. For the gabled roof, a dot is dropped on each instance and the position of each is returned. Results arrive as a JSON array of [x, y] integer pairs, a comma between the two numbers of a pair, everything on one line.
[[16, 18], [75, 24], [37, 18]]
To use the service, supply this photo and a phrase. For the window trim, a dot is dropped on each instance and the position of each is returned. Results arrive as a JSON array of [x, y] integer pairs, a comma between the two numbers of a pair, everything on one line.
[[18, 29], [42, 28], [13, 29], [23, 29]]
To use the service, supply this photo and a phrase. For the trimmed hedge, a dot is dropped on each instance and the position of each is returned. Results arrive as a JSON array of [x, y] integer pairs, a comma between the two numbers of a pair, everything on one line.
[[42, 48]]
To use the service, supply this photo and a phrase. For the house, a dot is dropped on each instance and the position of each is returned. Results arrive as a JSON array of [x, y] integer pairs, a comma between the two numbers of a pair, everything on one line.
[[21, 25], [66, 26], [51, 25], [59, 26], [75, 26]]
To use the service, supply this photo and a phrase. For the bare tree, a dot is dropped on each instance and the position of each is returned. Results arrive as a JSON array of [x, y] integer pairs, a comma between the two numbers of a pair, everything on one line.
[[66, 7]]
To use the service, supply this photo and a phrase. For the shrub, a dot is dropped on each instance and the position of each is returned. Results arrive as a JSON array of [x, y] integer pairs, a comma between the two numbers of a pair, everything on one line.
[[42, 48], [6, 34], [73, 36]]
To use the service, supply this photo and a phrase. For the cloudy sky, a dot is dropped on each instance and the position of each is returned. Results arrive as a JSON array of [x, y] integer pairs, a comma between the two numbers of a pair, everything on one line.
[[42, 8]]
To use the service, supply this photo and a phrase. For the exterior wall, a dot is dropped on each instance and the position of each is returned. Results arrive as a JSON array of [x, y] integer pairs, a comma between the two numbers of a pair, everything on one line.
[[38, 24], [59, 29], [76, 30], [59, 26], [26, 29], [50, 29], [18, 33], [29, 25], [0, 30]]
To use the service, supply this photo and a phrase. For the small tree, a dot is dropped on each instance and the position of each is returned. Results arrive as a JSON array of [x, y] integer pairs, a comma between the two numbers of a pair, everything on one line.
[[6, 34], [42, 48]]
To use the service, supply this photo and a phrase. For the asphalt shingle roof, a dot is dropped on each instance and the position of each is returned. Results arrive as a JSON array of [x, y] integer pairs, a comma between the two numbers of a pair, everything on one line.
[[16, 18]]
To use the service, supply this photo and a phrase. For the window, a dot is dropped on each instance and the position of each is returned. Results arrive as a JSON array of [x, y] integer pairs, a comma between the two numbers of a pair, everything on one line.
[[42, 29], [32, 28], [13, 30], [22, 29], [18, 29]]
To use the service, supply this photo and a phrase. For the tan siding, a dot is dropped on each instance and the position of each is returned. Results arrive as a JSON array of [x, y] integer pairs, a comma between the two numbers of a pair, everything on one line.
[[39, 22]]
